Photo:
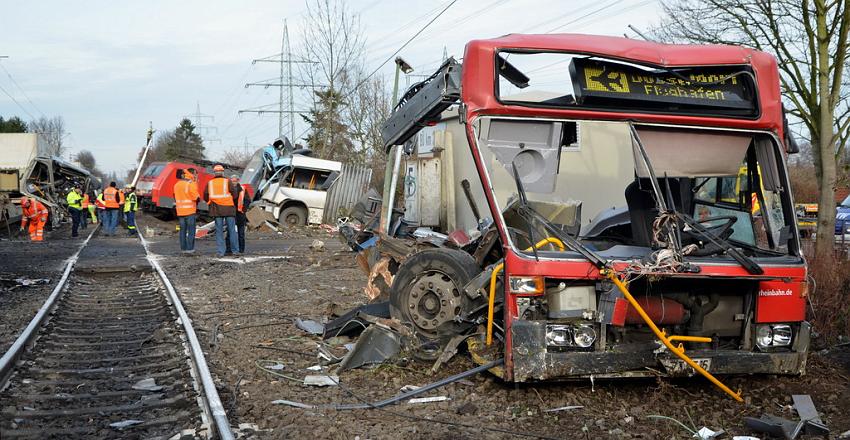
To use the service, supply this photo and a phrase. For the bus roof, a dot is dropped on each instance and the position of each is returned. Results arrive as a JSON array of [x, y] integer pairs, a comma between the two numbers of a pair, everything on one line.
[[479, 78]]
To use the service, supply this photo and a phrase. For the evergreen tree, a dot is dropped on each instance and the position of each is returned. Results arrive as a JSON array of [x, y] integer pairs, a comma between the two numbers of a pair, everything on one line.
[[12, 125], [184, 144], [329, 136]]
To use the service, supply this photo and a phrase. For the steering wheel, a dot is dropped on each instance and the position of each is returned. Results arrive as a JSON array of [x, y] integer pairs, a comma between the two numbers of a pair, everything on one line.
[[722, 230]]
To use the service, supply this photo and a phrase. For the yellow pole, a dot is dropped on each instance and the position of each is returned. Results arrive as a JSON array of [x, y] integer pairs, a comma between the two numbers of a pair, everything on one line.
[[491, 304], [678, 351]]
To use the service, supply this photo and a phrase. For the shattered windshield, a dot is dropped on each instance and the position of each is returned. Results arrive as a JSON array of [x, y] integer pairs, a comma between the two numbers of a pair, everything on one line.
[[582, 176]]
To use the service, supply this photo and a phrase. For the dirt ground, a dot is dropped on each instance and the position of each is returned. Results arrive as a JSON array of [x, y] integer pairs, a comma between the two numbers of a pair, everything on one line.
[[246, 312], [20, 258]]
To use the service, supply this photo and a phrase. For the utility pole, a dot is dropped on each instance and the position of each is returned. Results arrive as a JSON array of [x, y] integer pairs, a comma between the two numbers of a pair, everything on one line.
[[285, 80], [198, 119]]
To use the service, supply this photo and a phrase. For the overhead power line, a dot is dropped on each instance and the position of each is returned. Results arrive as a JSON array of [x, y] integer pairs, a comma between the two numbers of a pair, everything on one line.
[[16, 102], [21, 89], [402, 47]]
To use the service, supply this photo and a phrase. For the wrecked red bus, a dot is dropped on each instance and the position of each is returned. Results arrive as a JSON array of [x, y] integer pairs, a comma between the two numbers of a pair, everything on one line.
[[578, 210]]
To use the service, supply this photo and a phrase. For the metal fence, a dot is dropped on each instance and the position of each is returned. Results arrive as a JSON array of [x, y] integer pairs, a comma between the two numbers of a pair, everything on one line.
[[353, 182]]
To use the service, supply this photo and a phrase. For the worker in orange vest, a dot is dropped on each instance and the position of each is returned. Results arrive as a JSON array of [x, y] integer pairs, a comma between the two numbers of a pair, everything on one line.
[[34, 213], [84, 212], [242, 201], [219, 195], [113, 199], [186, 203]]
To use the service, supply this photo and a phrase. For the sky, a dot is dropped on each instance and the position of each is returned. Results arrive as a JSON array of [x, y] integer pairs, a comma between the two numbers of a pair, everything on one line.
[[112, 68]]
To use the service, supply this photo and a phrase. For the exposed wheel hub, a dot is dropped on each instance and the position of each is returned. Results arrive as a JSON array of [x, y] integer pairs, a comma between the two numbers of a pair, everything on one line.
[[434, 300]]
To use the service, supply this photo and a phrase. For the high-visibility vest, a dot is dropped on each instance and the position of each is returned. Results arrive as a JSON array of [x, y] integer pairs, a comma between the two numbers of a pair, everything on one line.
[[74, 200], [131, 203], [219, 191], [36, 210], [242, 196], [186, 197], [111, 198], [86, 201], [99, 201], [755, 202]]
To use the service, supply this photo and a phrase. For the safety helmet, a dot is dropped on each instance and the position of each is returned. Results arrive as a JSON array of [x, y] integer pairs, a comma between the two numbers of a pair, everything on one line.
[[27, 202], [218, 169], [234, 178]]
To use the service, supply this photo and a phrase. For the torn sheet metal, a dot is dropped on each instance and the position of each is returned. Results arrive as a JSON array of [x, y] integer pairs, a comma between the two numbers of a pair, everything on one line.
[[448, 352], [148, 384], [380, 269], [376, 345], [310, 326], [320, 380], [351, 323]]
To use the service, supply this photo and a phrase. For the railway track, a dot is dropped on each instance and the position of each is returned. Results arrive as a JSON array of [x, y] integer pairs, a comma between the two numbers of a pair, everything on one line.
[[110, 354]]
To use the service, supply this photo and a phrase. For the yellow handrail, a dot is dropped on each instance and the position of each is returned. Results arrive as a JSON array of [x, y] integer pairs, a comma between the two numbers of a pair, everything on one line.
[[491, 304], [667, 341]]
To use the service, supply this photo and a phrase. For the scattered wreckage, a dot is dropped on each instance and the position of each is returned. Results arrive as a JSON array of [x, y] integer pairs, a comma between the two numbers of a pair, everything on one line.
[[27, 169], [595, 226]]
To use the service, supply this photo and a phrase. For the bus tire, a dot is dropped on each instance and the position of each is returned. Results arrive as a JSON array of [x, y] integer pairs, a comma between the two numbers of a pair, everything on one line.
[[427, 294], [293, 216]]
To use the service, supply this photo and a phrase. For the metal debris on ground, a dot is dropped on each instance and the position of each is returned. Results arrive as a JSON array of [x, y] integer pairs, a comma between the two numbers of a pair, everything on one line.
[[186, 434], [376, 345], [448, 352], [10, 282], [148, 384], [293, 404], [564, 408], [810, 422], [705, 433], [310, 326], [353, 323], [321, 380], [429, 399], [125, 424]]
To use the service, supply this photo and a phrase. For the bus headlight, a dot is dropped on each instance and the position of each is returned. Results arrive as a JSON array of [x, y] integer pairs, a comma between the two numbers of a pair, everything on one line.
[[584, 336], [773, 335], [575, 336], [558, 335], [532, 285]]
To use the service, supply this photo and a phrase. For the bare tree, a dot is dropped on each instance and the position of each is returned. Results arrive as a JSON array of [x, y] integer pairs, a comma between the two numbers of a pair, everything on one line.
[[334, 44], [237, 156], [810, 40], [87, 160], [53, 130]]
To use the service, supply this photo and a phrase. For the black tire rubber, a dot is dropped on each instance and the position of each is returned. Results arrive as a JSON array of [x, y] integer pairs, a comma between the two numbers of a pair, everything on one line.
[[293, 216], [459, 266]]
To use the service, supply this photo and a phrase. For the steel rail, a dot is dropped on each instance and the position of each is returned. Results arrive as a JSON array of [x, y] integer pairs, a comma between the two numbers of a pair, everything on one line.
[[7, 362], [219, 415]]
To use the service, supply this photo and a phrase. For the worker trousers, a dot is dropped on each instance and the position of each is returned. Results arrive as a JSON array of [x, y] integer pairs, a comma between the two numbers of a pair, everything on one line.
[[230, 224], [110, 221], [76, 218], [187, 232], [92, 210], [36, 229], [240, 234], [131, 222]]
